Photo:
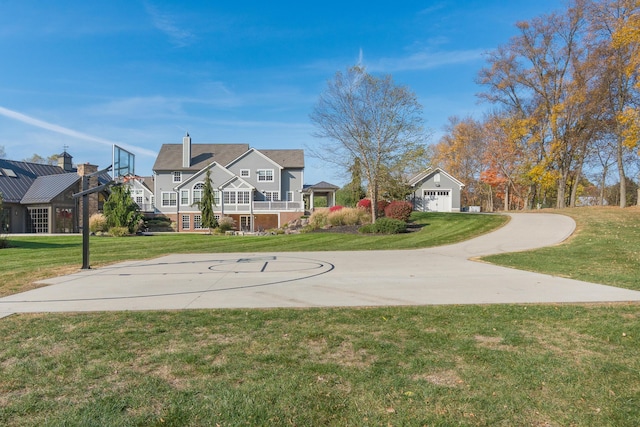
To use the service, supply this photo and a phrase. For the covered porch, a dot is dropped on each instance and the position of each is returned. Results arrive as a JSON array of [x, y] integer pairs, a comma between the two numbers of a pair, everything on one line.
[[321, 189]]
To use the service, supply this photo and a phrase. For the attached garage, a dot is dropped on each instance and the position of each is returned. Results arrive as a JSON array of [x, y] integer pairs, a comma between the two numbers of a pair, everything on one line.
[[434, 190]]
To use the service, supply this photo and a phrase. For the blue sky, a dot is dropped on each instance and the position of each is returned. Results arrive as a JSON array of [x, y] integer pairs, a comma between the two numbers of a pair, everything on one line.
[[88, 74]]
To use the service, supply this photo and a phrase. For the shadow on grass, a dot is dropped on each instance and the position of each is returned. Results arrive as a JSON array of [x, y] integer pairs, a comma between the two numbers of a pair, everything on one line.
[[18, 244]]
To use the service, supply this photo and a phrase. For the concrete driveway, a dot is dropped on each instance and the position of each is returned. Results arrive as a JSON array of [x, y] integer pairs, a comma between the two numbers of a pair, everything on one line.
[[442, 275]]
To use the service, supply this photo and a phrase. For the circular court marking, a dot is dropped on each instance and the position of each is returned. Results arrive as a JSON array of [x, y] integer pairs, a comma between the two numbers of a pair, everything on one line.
[[271, 264]]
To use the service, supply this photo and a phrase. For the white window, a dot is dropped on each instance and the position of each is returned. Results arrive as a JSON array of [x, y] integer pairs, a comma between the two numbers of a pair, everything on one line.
[[229, 197], [244, 197], [197, 192], [197, 222], [153, 201], [177, 177], [265, 175], [272, 196], [184, 197], [139, 200], [244, 173], [169, 198], [185, 222], [216, 197], [240, 197], [289, 196]]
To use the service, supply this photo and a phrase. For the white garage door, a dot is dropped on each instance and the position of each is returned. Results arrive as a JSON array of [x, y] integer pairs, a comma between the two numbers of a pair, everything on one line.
[[437, 201]]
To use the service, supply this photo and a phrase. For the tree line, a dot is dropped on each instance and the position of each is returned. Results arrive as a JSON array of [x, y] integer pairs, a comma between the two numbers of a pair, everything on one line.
[[564, 95], [564, 113]]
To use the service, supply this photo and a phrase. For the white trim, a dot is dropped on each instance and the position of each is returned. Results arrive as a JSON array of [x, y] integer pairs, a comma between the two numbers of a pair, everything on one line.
[[427, 173], [273, 175], [169, 199], [253, 150], [188, 193], [193, 191]]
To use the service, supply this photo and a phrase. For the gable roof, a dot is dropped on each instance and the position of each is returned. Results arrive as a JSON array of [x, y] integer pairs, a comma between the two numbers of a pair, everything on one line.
[[13, 188], [201, 174], [258, 153], [322, 185], [286, 158], [427, 173], [170, 156], [45, 188]]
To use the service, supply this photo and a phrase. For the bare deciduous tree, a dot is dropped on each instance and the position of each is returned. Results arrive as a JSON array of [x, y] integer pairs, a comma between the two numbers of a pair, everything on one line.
[[360, 116]]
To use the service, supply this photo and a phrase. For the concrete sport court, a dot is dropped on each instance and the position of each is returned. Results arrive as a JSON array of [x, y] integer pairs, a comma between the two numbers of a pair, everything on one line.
[[441, 275]]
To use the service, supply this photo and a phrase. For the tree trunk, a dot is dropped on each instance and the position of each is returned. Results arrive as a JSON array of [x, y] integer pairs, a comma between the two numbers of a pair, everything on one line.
[[623, 178], [604, 183], [562, 191], [506, 196], [373, 192], [574, 188]]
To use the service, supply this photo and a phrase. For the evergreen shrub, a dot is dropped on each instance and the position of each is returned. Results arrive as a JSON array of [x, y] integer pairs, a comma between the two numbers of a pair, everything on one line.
[[385, 226]]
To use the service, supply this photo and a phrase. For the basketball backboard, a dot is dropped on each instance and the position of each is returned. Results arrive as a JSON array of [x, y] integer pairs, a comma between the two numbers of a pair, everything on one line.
[[124, 163]]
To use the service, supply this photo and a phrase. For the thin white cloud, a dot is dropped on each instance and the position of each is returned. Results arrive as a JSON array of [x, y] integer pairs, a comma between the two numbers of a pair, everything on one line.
[[164, 22], [426, 59], [70, 132]]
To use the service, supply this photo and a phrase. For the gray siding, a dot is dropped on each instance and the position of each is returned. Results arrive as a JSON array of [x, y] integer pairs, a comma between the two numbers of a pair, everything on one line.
[[253, 162]]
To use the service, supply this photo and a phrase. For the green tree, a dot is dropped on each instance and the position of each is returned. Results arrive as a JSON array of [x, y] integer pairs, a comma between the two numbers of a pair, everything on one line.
[[372, 120], [352, 192], [207, 203], [120, 209]]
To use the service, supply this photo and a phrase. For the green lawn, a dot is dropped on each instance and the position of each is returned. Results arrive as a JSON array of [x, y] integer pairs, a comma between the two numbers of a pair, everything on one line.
[[33, 258], [605, 249], [493, 365], [410, 366]]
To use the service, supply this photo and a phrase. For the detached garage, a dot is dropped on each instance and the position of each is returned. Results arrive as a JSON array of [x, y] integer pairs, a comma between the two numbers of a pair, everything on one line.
[[434, 190]]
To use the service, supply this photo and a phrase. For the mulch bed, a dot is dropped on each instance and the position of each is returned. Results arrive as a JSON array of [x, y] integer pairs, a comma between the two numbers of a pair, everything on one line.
[[353, 229]]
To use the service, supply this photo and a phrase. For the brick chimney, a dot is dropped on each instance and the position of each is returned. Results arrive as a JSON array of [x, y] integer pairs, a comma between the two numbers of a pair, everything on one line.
[[83, 170], [186, 151]]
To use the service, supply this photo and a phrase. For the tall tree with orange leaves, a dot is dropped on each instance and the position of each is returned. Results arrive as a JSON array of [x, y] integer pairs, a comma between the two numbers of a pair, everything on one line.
[[540, 77], [460, 152]]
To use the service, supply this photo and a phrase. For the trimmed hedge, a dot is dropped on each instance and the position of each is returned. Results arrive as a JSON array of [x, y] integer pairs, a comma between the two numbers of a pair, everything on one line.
[[385, 226]]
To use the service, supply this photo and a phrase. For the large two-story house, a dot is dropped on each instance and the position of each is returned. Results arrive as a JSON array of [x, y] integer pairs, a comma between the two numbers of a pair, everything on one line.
[[259, 189]]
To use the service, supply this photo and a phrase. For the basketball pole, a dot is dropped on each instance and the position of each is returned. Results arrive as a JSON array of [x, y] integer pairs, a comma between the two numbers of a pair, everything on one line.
[[85, 211]]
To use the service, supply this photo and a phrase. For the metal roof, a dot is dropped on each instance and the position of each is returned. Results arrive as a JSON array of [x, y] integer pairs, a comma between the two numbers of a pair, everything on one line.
[[13, 188], [46, 188]]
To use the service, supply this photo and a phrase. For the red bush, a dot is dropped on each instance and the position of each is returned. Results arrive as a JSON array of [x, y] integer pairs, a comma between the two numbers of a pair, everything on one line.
[[364, 204], [399, 209], [335, 208], [382, 205]]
